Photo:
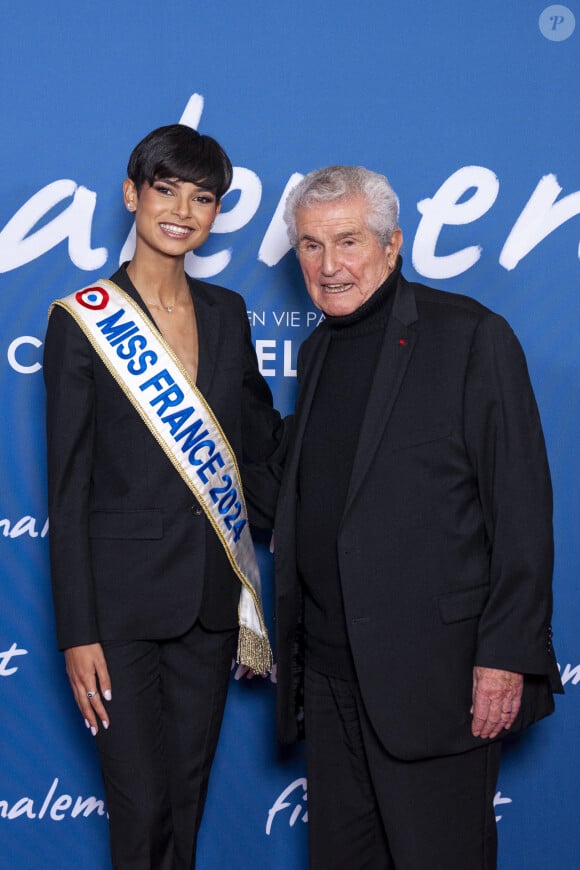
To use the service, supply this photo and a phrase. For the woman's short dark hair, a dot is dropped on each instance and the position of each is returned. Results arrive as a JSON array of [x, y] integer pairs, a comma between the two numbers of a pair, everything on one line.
[[177, 151]]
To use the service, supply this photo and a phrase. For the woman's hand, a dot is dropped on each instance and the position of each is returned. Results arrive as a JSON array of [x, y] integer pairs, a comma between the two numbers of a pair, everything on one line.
[[87, 671]]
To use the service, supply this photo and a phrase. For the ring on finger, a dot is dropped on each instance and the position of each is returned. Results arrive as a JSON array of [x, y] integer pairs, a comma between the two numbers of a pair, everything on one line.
[[91, 695]]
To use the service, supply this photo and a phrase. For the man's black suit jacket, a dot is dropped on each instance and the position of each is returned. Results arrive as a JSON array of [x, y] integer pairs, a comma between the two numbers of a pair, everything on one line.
[[132, 554], [445, 545]]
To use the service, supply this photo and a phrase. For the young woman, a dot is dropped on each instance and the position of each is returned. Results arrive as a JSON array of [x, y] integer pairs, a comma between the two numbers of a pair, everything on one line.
[[145, 596]]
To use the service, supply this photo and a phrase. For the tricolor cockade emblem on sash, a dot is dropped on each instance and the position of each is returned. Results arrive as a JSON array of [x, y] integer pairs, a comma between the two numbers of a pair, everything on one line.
[[184, 426]]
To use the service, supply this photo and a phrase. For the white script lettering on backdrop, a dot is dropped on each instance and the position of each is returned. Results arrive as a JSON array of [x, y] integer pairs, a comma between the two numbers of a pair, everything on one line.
[[52, 806], [499, 801], [6, 658], [541, 215], [297, 789], [24, 526], [570, 674]]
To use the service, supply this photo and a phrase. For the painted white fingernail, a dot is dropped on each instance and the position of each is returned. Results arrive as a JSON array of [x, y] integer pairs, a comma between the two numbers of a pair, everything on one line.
[[93, 731], [107, 695], [87, 723], [105, 724]]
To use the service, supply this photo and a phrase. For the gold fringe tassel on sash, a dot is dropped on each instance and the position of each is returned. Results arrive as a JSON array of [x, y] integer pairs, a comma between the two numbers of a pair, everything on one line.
[[254, 651]]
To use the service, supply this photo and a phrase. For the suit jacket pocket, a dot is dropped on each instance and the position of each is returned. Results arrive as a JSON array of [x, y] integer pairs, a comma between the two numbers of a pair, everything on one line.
[[419, 439], [137, 525], [463, 604]]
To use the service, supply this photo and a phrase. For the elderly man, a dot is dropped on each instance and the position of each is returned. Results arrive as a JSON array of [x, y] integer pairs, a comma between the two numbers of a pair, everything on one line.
[[413, 547]]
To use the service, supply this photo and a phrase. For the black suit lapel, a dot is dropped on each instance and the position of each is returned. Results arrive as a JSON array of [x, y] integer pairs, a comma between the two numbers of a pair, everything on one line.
[[309, 381], [208, 334], [395, 354]]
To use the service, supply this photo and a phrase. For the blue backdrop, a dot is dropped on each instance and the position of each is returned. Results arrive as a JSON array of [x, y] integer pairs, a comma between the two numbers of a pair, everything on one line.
[[473, 113]]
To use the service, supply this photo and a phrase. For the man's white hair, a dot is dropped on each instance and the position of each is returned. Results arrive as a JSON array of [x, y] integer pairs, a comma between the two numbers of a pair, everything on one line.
[[341, 182]]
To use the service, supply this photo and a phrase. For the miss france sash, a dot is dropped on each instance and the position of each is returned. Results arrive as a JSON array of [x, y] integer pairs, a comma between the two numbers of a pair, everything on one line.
[[184, 426]]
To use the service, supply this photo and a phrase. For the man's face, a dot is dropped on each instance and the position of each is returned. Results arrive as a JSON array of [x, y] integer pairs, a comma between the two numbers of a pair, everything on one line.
[[342, 260]]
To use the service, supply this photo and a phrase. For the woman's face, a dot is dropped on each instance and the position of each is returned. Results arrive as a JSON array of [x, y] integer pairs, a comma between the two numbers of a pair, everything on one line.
[[172, 216]]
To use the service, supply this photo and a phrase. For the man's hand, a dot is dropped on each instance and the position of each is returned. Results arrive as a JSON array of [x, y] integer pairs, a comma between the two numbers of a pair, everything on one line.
[[497, 696], [87, 671]]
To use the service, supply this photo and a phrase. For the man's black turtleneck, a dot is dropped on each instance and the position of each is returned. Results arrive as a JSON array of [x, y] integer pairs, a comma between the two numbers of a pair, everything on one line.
[[326, 460]]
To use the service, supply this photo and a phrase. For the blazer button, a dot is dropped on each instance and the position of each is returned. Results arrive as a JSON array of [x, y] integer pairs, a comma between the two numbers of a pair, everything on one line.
[[196, 510]]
